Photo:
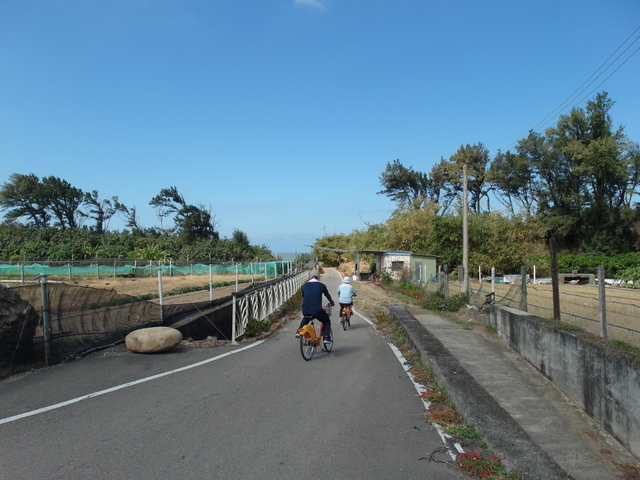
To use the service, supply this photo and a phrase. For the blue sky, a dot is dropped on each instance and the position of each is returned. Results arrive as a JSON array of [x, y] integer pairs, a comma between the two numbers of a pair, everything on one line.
[[280, 115]]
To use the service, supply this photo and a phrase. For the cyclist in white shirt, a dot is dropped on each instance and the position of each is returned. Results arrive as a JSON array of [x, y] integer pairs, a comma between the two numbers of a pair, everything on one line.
[[346, 293]]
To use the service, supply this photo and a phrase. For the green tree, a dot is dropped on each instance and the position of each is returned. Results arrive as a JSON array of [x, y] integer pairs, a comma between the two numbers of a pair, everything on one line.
[[100, 210], [23, 196], [512, 176], [410, 189], [586, 174], [129, 214], [64, 201], [476, 158], [192, 222]]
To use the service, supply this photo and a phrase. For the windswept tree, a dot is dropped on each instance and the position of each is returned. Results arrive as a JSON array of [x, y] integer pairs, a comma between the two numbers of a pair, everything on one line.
[[40, 200], [128, 214], [191, 221], [22, 196], [64, 201], [409, 188], [100, 210]]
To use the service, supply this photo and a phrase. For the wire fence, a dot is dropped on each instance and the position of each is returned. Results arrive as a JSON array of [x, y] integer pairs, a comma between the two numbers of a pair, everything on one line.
[[46, 322], [580, 305]]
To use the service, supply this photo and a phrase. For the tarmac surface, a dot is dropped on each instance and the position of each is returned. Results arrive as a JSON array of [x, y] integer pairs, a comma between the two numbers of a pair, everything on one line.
[[520, 414]]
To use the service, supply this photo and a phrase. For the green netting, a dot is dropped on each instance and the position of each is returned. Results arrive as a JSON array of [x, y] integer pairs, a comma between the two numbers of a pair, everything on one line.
[[270, 269]]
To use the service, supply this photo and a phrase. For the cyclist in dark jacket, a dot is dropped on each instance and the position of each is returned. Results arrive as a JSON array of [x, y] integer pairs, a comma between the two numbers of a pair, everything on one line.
[[312, 292]]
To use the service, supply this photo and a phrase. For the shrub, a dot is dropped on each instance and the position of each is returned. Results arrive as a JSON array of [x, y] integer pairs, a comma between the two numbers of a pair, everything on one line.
[[386, 280], [437, 302], [256, 327]]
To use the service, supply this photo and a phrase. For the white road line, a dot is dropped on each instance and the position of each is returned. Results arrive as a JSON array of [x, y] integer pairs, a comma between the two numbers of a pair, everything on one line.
[[420, 389], [124, 385]]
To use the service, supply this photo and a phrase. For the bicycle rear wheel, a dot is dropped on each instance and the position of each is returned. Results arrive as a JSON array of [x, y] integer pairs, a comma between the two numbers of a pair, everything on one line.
[[307, 349], [328, 346], [343, 321]]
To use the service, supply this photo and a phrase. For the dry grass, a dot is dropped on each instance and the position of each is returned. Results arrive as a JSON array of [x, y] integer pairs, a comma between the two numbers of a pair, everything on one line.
[[146, 285]]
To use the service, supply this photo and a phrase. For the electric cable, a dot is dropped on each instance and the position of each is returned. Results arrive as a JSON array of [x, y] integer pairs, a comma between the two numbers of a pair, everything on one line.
[[589, 81]]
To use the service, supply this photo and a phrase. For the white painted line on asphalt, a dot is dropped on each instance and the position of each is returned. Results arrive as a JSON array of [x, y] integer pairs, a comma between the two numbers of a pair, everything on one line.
[[124, 385], [420, 389], [364, 318]]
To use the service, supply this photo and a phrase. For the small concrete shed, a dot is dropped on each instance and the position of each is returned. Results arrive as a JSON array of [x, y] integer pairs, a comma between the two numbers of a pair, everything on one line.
[[407, 266], [400, 265]]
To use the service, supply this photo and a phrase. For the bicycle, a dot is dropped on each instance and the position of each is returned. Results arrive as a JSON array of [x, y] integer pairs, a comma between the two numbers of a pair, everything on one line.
[[345, 316], [309, 339]]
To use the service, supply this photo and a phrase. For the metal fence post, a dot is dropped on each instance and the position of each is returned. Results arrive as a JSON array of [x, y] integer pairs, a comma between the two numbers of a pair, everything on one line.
[[602, 306], [160, 295], [210, 283], [46, 320], [233, 321], [523, 297]]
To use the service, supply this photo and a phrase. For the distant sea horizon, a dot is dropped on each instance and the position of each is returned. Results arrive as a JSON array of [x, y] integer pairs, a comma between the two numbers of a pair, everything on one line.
[[286, 255]]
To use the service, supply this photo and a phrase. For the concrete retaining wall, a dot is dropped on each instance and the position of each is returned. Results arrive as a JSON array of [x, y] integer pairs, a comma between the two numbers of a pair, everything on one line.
[[605, 384]]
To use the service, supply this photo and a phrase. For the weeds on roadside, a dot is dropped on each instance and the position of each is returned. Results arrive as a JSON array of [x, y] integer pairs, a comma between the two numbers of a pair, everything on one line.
[[442, 412], [465, 431], [435, 395], [481, 466]]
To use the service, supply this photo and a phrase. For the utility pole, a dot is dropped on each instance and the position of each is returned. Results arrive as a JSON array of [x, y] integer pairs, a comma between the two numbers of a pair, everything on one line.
[[465, 234]]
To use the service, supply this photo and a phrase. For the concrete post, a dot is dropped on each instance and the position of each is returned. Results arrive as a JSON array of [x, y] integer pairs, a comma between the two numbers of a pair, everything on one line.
[[523, 280], [602, 306]]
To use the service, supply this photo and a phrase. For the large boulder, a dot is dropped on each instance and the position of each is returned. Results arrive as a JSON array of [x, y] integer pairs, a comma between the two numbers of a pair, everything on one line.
[[153, 339]]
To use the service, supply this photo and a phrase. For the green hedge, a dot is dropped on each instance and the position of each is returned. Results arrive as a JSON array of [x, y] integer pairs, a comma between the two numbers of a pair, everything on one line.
[[614, 265]]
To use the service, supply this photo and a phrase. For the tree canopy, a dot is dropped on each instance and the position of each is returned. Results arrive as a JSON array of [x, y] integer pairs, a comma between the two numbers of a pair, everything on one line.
[[54, 213], [578, 179]]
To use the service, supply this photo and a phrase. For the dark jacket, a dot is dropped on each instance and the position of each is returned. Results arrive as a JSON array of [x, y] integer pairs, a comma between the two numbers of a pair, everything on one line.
[[312, 292]]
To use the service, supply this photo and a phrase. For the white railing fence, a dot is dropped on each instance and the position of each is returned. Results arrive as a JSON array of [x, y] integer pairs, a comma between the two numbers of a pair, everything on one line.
[[259, 303]]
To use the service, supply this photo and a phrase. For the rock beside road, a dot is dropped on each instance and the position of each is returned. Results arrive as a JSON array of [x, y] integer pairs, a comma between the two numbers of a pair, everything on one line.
[[153, 339]]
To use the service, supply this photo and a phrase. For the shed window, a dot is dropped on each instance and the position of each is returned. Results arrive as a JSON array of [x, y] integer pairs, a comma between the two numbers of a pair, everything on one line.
[[395, 266]]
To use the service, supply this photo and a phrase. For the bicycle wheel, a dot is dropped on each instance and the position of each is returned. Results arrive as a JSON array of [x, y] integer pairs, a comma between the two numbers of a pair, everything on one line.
[[307, 349], [344, 321], [328, 346]]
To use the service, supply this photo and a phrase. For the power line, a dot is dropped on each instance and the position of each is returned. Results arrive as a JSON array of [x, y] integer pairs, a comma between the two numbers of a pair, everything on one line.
[[578, 90], [588, 82]]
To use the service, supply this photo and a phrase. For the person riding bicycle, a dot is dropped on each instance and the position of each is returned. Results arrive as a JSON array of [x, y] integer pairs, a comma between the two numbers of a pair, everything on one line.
[[312, 292], [346, 293]]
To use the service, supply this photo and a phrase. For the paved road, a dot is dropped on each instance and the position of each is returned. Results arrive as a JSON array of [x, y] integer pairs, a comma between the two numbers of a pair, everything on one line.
[[254, 411]]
